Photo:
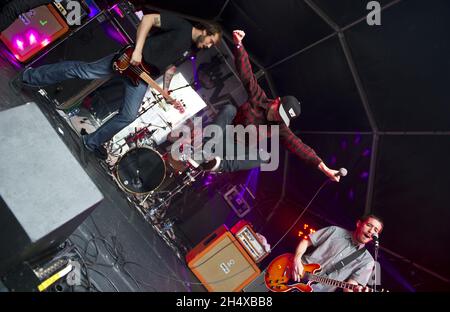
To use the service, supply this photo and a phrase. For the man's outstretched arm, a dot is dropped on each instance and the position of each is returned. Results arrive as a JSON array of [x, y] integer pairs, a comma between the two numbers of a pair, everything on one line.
[[256, 95], [295, 145]]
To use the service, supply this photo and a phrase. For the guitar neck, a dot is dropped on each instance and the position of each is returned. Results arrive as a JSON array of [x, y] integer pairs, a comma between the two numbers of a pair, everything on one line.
[[146, 77], [331, 282]]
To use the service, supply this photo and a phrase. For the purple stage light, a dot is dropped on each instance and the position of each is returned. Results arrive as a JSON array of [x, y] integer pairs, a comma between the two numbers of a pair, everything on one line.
[[93, 8], [118, 10], [351, 194], [114, 34], [197, 85], [208, 180], [364, 175], [366, 152]]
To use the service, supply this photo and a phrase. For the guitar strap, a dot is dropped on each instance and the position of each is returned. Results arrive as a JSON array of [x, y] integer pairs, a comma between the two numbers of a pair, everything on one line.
[[345, 261]]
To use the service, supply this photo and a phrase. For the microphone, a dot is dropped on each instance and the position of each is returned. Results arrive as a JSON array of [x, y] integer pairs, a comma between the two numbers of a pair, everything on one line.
[[342, 173], [375, 239]]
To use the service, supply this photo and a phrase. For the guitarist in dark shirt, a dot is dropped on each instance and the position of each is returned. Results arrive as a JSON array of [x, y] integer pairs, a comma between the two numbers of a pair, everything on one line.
[[159, 51]]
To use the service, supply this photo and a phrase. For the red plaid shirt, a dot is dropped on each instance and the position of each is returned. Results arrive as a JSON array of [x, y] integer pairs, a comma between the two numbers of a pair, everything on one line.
[[253, 112]]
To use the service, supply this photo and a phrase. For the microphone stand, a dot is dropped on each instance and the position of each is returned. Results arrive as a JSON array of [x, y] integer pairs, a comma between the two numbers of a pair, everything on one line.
[[182, 87], [374, 276]]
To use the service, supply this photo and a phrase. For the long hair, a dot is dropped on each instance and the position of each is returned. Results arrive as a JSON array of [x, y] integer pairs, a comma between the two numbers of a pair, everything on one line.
[[211, 28]]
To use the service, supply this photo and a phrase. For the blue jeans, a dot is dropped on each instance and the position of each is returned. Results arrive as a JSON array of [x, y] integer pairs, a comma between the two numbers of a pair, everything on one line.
[[224, 118], [134, 95]]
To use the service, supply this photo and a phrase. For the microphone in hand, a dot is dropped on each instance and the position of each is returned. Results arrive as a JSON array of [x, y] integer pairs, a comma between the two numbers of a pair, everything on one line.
[[342, 172]]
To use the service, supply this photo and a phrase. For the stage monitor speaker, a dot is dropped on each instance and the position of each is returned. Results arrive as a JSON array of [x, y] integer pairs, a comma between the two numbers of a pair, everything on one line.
[[44, 192], [221, 264]]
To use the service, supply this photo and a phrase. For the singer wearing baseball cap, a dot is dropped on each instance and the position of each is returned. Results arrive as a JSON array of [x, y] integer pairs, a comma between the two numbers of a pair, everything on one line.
[[260, 110]]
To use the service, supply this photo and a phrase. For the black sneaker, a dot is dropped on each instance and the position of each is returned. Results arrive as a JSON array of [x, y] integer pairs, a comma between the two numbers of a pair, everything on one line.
[[99, 152], [211, 165], [18, 85]]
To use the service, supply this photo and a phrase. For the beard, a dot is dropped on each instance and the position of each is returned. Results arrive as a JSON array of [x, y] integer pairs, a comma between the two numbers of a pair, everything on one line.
[[200, 39]]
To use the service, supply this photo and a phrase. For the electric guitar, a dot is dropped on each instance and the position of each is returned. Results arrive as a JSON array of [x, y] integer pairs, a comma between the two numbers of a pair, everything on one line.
[[279, 272], [121, 64]]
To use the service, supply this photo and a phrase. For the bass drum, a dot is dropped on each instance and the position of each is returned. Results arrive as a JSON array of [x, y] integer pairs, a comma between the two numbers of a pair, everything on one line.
[[140, 170]]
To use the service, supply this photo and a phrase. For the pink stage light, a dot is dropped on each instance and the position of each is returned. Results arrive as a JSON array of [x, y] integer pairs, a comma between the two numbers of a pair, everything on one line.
[[45, 42], [31, 39], [19, 44]]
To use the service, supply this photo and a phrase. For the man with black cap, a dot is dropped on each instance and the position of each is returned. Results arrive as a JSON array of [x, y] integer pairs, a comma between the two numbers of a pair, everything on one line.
[[260, 110]]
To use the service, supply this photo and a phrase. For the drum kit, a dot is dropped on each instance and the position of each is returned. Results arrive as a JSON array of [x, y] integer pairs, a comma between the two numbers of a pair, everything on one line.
[[151, 177], [142, 166]]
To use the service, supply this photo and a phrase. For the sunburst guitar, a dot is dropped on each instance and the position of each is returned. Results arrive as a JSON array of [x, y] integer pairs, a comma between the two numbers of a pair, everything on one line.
[[135, 73], [278, 277]]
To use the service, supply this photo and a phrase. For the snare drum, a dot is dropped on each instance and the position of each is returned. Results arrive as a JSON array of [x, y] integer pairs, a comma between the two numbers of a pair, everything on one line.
[[140, 170]]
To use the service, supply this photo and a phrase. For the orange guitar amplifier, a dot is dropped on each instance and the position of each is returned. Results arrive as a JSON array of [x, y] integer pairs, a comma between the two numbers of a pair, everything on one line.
[[221, 264]]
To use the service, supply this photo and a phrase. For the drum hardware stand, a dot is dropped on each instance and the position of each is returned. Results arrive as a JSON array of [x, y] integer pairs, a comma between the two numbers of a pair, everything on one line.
[[145, 198], [159, 99], [136, 132], [146, 109], [168, 123], [158, 212], [137, 181], [167, 225]]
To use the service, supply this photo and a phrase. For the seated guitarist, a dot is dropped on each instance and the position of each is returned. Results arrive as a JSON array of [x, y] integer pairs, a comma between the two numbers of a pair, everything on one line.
[[333, 244], [160, 51]]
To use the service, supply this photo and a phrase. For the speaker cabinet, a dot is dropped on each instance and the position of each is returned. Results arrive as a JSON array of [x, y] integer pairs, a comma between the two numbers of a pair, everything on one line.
[[44, 192], [221, 264]]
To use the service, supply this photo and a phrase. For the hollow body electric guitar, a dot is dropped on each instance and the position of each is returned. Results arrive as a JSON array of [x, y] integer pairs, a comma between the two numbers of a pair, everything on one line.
[[121, 64], [279, 272]]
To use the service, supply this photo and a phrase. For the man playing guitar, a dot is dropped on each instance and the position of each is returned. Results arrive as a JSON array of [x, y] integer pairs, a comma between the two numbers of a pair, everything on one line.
[[159, 51], [332, 245]]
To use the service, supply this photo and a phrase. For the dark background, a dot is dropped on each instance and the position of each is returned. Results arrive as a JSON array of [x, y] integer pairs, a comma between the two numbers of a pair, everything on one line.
[[374, 100]]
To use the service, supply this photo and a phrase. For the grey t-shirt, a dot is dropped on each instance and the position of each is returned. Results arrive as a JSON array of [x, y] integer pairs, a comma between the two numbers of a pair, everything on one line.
[[333, 244]]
